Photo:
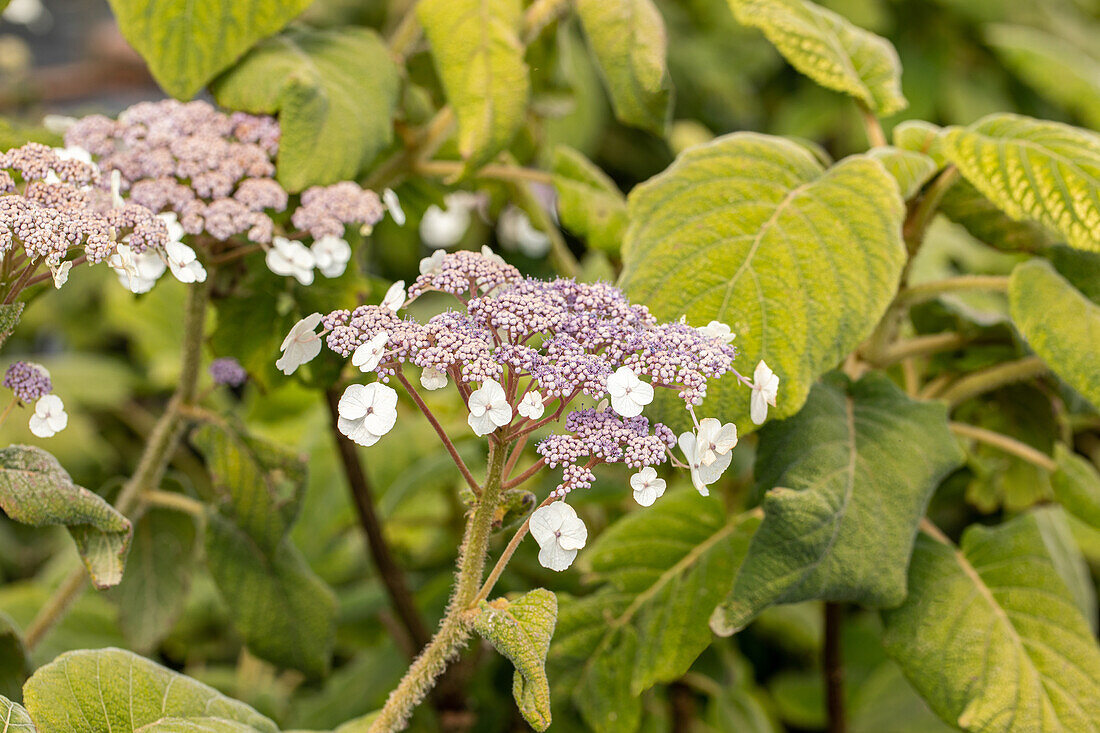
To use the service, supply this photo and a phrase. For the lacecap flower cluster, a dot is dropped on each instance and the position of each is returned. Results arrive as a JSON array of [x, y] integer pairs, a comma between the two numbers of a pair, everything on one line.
[[30, 384], [521, 351]]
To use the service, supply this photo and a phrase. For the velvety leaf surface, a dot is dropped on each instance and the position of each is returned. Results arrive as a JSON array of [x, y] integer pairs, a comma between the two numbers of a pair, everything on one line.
[[521, 631], [12, 715], [843, 498], [830, 50], [920, 137], [112, 689], [14, 664], [1068, 560], [990, 634], [1076, 485], [1047, 172], [628, 39], [1060, 324], [1081, 268], [36, 490], [799, 260], [479, 58], [195, 725], [334, 91], [909, 168], [186, 44], [589, 202], [965, 205], [158, 577], [9, 319]]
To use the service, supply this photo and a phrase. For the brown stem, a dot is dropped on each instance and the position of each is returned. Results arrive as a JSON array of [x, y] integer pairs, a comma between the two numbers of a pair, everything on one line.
[[531, 471], [833, 668]]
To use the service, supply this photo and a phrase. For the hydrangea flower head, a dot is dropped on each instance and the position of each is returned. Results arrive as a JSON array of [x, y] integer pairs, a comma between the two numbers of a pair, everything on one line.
[[28, 381]]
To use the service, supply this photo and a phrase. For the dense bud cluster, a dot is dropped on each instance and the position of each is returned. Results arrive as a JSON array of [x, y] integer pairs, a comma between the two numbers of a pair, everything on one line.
[[28, 381]]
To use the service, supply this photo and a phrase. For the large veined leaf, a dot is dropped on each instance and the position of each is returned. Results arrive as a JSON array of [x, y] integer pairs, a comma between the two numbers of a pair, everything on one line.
[[830, 50], [1033, 169], [36, 490], [13, 715], [1076, 485], [589, 202], [479, 57], [186, 44], [629, 42], [521, 631], [965, 205], [911, 169], [1069, 562], [990, 635], [801, 261], [664, 570], [116, 690], [158, 577], [920, 137], [1060, 324], [334, 91], [843, 503]]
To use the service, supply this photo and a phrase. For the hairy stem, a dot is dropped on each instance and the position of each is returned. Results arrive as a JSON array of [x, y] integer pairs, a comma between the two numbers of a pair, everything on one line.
[[833, 668], [454, 630], [928, 291], [174, 501], [55, 608], [1005, 443], [447, 168], [921, 346], [987, 380], [506, 555], [875, 136], [924, 210]]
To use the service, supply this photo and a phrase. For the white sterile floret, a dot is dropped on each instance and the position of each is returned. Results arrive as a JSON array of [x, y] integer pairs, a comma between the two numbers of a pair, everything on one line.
[[718, 330], [302, 344], [714, 440], [560, 533], [648, 487], [331, 255], [49, 416], [61, 273], [531, 405], [395, 297], [393, 206], [628, 393], [489, 408], [702, 476], [137, 272], [516, 232], [116, 189], [183, 263], [432, 379], [433, 264], [369, 354], [439, 228], [765, 387], [291, 258], [487, 251], [367, 412]]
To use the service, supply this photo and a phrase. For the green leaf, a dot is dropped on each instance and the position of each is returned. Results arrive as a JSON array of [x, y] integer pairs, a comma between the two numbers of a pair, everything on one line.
[[990, 635], [36, 490], [827, 48], [1076, 485], [965, 205], [151, 595], [479, 58], [335, 91], [1081, 268], [799, 260], [920, 137], [1068, 560], [628, 39], [14, 664], [909, 168], [284, 612], [521, 631], [196, 725], [1060, 324], [589, 202], [13, 715], [186, 44], [112, 689], [9, 319], [664, 571], [842, 503], [1043, 171]]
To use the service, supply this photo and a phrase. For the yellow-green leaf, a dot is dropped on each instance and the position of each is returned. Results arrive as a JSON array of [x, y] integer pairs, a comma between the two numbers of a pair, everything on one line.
[[628, 39], [589, 202], [9, 319], [1076, 485], [1060, 324], [479, 58], [920, 137], [13, 715], [909, 168], [187, 43], [830, 50], [1047, 172]]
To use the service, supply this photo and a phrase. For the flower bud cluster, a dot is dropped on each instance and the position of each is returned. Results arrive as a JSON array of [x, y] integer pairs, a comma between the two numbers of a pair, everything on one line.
[[28, 381]]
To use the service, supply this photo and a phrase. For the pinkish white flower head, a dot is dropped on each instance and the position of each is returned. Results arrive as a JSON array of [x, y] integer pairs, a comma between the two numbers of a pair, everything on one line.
[[444, 228], [628, 393], [137, 272], [291, 258], [368, 355], [28, 381], [393, 207], [49, 417], [765, 388], [560, 533], [714, 440], [702, 476], [531, 406], [647, 486], [331, 254], [718, 330], [302, 344], [432, 379], [367, 412], [394, 298], [183, 262], [489, 408]]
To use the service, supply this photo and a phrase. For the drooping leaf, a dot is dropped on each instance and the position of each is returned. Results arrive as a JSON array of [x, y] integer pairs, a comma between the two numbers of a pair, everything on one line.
[[186, 44], [830, 50], [1081, 268], [9, 319], [1076, 485], [628, 39], [334, 90], [13, 715], [1069, 562], [920, 137], [909, 168], [990, 635], [158, 577], [36, 490], [589, 202], [1043, 171], [799, 260], [14, 664], [112, 689], [965, 205], [1060, 324], [842, 503], [478, 55], [665, 569], [521, 631]]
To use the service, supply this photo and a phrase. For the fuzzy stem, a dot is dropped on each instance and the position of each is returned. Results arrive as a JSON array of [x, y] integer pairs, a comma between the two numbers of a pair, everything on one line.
[[924, 210], [506, 555], [1005, 443], [172, 500], [454, 629], [55, 608], [441, 432], [928, 291], [921, 346], [448, 168], [987, 380], [875, 136]]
